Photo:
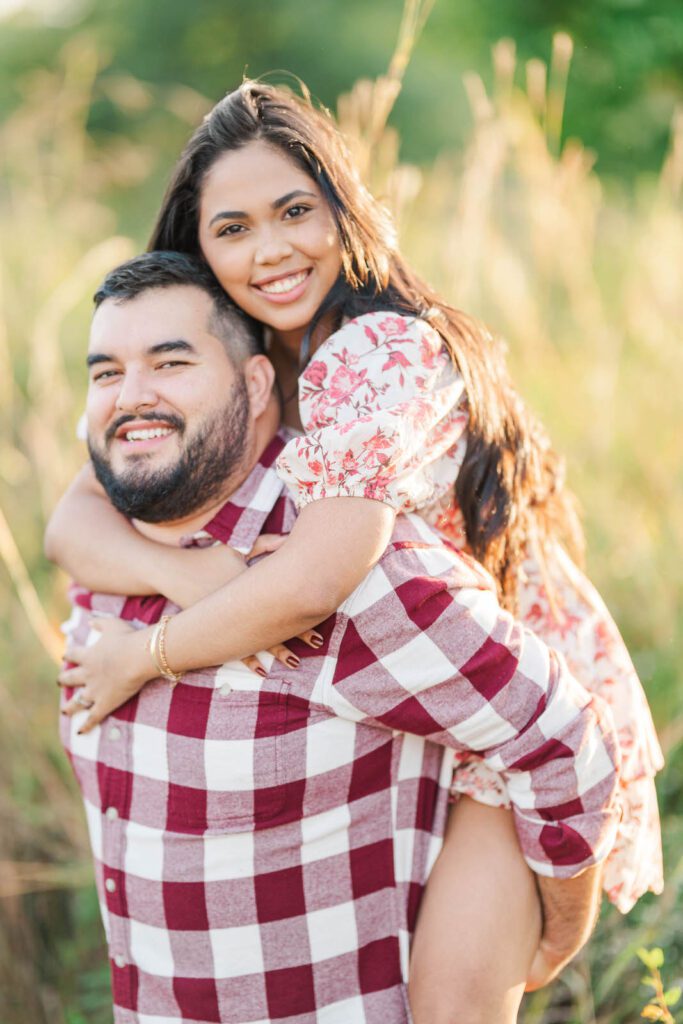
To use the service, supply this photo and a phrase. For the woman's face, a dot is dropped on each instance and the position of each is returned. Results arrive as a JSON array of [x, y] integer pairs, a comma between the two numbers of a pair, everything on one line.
[[270, 238]]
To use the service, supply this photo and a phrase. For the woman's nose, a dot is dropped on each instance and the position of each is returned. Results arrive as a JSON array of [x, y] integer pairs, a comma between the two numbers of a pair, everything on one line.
[[272, 247]]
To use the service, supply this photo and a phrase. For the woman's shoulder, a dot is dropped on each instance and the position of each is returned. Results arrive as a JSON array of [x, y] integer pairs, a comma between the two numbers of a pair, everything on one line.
[[384, 334]]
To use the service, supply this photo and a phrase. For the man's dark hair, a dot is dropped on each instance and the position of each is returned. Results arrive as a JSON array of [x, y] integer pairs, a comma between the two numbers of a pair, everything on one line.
[[241, 335]]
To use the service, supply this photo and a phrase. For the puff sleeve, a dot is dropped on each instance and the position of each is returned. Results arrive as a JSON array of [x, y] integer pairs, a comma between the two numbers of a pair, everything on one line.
[[384, 414]]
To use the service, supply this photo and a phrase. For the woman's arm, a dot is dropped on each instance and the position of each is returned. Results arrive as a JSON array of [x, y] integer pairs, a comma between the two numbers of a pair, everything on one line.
[[96, 545], [334, 543], [332, 547]]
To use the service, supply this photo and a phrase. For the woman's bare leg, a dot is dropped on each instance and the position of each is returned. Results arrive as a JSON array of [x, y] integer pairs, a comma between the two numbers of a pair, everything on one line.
[[479, 924]]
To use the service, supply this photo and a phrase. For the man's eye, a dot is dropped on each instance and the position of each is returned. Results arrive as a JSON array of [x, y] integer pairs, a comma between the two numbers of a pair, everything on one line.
[[105, 375], [170, 363]]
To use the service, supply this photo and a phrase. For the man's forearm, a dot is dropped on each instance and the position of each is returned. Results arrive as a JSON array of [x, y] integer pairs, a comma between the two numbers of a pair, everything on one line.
[[570, 909]]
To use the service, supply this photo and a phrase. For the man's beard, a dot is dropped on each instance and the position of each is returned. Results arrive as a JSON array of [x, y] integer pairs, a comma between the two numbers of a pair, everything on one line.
[[200, 475]]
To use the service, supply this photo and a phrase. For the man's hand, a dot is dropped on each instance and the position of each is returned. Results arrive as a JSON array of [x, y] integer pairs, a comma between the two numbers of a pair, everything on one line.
[[545, 967], [187, 575], [570, 910]]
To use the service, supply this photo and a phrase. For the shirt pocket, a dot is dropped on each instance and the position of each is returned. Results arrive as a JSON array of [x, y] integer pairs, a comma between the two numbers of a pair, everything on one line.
[[225, 753], [237, 760]]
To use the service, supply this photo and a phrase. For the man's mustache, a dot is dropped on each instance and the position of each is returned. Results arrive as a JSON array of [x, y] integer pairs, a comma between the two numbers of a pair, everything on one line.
[[173, 421]]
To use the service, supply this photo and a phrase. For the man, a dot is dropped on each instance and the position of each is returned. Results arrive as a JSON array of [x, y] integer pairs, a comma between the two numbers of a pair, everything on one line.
[[261, 844]]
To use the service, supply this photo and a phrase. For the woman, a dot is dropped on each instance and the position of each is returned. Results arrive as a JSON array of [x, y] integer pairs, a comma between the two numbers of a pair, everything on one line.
[[406, 405]]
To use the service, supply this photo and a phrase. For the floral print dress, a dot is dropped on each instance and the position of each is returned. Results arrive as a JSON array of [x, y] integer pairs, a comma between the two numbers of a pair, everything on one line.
[[384, 415]]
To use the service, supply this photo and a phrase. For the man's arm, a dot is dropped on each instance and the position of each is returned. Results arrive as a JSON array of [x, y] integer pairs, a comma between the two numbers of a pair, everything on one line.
[[570, 910]]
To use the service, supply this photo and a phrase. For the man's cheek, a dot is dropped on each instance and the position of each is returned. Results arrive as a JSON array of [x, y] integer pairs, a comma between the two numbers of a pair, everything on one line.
[[99, 411]]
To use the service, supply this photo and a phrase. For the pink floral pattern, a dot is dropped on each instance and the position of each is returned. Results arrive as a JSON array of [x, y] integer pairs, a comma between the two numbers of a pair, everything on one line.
[[385, 417], [382, 406]]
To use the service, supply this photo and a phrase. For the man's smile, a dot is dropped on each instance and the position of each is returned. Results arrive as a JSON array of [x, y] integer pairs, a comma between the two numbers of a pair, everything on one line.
[[143, 435]]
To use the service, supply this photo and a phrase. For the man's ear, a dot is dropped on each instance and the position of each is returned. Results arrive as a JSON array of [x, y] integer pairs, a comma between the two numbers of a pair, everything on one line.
[[259, 375]]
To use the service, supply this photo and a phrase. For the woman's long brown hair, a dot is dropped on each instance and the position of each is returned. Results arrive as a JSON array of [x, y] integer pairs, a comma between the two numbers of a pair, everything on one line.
[[510, 487]]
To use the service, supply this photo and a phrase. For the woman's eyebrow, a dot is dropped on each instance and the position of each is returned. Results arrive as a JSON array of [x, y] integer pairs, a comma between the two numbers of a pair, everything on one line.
[[283, 200], [228, 215], [277, 204]]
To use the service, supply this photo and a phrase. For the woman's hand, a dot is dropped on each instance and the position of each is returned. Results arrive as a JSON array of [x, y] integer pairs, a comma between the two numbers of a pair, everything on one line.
[[108, 672]]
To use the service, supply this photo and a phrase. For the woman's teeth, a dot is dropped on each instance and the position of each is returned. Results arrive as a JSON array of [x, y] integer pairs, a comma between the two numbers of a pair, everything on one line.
[[285, 284], [147, 435]]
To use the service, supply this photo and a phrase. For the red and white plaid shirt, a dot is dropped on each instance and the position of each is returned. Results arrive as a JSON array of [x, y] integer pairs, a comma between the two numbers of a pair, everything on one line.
[[261, 845]]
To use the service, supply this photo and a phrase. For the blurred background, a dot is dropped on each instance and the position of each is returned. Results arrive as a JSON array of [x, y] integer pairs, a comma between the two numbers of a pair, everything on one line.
[[534, 160]]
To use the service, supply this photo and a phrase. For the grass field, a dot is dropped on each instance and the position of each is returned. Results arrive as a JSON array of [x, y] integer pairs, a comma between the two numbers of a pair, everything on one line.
[[582, 279]]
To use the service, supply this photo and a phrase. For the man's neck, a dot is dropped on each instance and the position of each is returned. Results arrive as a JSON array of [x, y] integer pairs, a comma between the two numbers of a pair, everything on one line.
[[171, 532]]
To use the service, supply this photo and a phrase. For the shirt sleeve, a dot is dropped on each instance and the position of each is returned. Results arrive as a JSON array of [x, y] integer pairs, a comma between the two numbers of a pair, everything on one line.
[[427, 650], [382, 406]]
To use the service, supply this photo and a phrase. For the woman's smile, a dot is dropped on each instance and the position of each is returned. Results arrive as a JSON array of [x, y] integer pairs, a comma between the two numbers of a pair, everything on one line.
[[284, 288]]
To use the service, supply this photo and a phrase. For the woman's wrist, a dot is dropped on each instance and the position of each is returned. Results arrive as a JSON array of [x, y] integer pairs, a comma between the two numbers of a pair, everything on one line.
[[140, 664]]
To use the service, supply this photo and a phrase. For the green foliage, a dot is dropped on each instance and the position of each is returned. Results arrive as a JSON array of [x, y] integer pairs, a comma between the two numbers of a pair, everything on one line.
[[628, 75], [659, 1006]]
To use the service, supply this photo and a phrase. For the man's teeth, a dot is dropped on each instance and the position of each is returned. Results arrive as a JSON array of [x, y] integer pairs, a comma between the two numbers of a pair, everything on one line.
[[285, 284], [147, 435]]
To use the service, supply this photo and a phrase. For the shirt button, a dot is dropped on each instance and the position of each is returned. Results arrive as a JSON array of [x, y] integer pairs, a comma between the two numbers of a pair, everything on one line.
[[120, 961], [225, 690], [114, 733], [112, 813], [110, 885]]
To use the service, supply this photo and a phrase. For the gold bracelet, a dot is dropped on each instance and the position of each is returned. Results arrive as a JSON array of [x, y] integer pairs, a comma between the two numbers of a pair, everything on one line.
[[152, 648], [160, 651]]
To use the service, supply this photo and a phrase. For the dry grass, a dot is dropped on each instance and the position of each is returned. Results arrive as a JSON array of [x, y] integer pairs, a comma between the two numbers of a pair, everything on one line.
[[584, 284]]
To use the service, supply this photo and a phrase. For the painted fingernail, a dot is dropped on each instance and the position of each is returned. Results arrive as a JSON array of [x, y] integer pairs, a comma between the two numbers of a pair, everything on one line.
[[261, 671], [316, 640], [293, 661]]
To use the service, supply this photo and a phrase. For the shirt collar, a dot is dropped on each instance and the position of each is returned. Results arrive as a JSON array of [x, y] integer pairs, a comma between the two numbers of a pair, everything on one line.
[[240, 521]]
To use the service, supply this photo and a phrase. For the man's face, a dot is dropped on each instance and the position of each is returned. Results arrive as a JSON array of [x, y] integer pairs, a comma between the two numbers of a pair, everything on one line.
[[168, 412]]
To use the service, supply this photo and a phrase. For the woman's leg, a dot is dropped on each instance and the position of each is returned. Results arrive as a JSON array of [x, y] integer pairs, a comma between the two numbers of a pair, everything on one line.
[[479, 923]]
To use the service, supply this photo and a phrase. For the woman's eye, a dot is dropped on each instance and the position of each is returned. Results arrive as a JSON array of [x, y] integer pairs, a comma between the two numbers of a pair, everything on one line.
[[297, 211], [231, 230]]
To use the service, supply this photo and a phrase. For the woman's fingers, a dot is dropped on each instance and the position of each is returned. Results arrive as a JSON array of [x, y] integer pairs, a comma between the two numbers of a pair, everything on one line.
[[105, 624], [85, 701], [282, 653], [312, 638], [71, 676], [81, 701], [253, 663], [73, 655], [95, 714]]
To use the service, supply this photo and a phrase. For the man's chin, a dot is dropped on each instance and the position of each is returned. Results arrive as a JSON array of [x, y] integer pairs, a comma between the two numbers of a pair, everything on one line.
[[123, 464]]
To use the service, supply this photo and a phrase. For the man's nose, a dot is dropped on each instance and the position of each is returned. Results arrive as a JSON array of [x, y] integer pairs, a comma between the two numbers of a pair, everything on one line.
[[136, 392], [271, 246]]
